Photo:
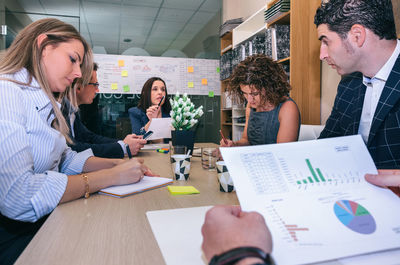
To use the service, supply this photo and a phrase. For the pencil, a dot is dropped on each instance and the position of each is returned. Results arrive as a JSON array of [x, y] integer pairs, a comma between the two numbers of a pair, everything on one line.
[[223, 137]]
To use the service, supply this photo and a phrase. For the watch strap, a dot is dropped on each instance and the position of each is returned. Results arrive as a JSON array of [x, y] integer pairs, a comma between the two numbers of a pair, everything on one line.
[[232, 256]]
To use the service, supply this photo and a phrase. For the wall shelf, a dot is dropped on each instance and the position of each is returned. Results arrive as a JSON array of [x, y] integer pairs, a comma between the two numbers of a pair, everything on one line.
[[252, 26]]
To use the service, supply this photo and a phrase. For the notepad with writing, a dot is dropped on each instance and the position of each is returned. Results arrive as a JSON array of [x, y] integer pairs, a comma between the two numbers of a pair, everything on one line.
[[147, 183]]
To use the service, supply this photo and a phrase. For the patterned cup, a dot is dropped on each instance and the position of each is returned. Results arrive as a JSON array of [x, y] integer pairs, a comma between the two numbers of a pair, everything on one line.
[[225, 180], [180, 166]]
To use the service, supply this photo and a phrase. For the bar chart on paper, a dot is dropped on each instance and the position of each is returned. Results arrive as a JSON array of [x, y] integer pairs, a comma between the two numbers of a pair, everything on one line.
[[272, 172], [314, 169], [289, 232]]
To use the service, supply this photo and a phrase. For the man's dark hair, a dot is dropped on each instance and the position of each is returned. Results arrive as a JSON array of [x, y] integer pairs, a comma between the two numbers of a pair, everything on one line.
[[341, 15], [145, 96]]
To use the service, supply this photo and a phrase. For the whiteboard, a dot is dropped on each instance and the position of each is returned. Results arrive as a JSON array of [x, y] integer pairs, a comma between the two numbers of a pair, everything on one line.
[[124, 74]]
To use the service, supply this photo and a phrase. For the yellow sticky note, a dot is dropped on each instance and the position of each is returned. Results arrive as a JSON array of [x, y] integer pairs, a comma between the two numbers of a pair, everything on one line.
[[126, 88], [204, 81], [121, 63], [190, 69], [124, 73], [190, 84], [182, 190], [114, 86]]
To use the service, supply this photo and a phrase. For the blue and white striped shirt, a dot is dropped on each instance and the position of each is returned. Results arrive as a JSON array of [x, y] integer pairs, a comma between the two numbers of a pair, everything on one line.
[[34, 157]]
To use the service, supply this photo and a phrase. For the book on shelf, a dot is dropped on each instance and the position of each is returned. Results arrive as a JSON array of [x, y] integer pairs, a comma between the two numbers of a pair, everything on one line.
[[276, 10], [229, 25], [277, 41], [282, 34]]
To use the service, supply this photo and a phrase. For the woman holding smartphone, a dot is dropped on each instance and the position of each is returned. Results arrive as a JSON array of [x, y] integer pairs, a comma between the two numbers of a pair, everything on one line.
[[153, 103]]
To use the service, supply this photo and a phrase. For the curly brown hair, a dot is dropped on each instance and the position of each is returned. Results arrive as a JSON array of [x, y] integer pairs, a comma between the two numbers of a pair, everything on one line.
[[262, 74]]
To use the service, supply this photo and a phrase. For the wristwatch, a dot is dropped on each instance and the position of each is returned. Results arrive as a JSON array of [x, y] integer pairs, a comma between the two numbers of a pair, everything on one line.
[[128, 151], [232, 256]]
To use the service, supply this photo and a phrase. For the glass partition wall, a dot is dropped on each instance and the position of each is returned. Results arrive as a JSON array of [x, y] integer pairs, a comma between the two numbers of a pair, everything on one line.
[[173, 28]]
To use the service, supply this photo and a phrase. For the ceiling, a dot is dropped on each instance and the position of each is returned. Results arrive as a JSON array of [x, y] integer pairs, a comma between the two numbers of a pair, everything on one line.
[[154, 25]]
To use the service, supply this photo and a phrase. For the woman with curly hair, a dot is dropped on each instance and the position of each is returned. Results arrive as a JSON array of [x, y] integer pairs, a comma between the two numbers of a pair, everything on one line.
[[271, 115]]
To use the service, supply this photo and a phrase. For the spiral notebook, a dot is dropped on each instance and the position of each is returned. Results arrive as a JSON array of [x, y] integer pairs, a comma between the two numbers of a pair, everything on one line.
[[147, 183]]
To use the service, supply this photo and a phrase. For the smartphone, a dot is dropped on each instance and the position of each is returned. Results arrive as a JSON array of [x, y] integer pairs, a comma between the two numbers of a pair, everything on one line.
[[147, 135]]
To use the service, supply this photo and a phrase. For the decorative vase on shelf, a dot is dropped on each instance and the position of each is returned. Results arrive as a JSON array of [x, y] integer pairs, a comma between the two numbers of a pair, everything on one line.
[[184, 116]]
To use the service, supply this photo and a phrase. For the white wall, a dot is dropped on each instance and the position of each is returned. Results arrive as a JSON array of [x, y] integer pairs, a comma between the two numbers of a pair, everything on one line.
[[240, 8], [329, 82]]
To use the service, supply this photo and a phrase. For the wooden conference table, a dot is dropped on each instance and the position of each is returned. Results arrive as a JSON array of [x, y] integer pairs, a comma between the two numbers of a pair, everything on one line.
[[108, 230]]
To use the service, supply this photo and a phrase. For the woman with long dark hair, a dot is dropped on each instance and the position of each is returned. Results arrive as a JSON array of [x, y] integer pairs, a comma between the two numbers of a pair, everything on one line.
[[153, 103]]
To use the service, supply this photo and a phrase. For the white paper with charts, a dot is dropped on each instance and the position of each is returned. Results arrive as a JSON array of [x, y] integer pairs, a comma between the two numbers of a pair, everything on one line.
[[315, 199]]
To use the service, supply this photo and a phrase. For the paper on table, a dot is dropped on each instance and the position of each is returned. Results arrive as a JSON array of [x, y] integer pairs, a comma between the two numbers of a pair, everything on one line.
[[182, 190], [178, 234], [147, 183], [161, 128], [315, 199], [174, 228], [390, 257], [154, 146]]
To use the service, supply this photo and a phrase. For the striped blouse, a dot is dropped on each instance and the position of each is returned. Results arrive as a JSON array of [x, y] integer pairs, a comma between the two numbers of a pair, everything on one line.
[[34, 157]]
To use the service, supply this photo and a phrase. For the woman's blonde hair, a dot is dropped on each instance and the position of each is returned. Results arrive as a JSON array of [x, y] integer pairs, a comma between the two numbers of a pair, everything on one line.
[[25, 52]]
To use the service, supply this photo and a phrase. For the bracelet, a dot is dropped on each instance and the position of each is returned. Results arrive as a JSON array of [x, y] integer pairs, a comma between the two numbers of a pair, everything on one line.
[[232, 256], [86, 179]]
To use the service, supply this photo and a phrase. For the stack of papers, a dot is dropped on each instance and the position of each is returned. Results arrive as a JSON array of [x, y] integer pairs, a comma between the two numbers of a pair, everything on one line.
[[276, 10]]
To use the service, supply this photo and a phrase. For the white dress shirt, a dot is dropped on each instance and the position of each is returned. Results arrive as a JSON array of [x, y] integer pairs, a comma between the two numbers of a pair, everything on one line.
[[373, 92], [34, 157]]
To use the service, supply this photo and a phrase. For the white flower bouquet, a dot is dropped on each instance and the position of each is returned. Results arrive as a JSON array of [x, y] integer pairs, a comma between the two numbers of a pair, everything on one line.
[[183, 112]]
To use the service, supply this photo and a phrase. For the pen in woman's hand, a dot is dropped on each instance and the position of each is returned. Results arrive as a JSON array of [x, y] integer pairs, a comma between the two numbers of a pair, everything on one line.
[[223, 137], [161, 101]]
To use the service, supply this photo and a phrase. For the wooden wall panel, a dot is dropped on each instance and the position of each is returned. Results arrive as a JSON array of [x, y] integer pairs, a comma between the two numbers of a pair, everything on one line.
[[305, 66]]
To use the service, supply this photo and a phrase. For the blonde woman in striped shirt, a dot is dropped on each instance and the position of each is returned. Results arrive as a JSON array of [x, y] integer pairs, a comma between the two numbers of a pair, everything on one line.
[[37, 169]]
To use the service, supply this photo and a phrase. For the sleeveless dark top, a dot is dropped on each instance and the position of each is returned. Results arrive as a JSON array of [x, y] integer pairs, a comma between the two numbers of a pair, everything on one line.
[[263, 126]]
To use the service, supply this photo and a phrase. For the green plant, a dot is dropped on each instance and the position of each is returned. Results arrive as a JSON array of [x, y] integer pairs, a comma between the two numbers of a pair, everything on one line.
[[183, 112]]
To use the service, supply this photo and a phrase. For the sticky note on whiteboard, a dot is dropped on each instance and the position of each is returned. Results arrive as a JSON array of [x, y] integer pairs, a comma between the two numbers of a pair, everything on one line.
[[126, 88], [114, 86], [121, 63], [190, 84], [190, 69], [210, 94], [218, 69], [204, 81], [124, 73]]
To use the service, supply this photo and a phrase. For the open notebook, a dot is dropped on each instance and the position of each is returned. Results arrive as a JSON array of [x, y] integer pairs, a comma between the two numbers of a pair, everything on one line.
[[147, 183]]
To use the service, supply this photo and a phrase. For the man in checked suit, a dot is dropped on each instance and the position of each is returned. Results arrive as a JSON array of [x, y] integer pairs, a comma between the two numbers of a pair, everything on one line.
[[358, 39]]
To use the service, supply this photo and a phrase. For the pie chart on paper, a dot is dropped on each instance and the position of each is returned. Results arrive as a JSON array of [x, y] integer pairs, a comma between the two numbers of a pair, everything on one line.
[[355, 217]]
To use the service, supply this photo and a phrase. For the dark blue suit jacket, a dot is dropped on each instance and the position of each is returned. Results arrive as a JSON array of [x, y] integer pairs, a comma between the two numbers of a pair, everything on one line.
[[84, 138], [384, 137]]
